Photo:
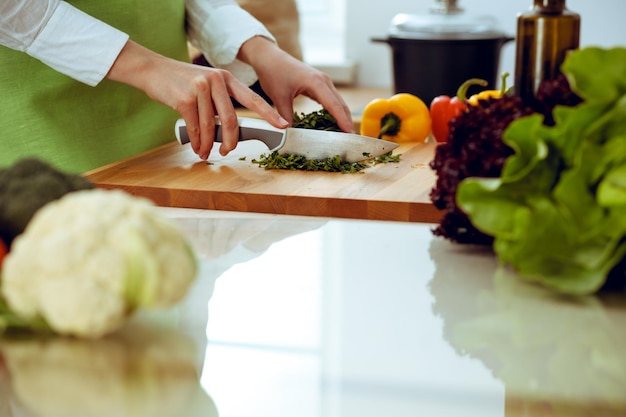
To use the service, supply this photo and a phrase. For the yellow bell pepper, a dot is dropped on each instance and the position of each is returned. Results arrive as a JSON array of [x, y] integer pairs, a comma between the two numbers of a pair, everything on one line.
[[483, 95], [487, 94], [402, 118]]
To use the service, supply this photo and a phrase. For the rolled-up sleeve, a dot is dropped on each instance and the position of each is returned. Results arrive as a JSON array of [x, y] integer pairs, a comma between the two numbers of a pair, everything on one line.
[[218, 28], [62, 37]]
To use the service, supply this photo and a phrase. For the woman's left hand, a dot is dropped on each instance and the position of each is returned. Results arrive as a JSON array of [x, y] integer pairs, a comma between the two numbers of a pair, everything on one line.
[[284, 77]]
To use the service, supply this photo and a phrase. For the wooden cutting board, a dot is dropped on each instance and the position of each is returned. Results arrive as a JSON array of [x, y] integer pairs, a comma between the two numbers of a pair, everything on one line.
[[173, 176]]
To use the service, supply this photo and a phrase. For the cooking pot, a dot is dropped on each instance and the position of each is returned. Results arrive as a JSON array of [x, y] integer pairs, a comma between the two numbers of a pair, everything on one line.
[[434, 54]]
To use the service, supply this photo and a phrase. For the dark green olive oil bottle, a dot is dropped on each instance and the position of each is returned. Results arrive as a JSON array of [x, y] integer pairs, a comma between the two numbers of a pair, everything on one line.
[[545, 34]]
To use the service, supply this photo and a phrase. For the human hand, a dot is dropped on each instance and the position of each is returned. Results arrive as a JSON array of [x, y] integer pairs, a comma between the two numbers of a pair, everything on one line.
[[198, 93], [283, 78]]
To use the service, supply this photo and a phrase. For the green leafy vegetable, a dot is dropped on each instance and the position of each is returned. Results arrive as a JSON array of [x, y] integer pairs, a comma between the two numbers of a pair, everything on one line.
[[558, 210]]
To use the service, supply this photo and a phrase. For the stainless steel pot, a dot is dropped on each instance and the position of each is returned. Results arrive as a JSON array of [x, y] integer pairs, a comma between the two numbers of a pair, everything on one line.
[[434, 54]]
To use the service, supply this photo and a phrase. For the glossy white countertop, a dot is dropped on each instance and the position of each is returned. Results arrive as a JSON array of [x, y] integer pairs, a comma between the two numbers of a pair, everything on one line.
[[309, 317]]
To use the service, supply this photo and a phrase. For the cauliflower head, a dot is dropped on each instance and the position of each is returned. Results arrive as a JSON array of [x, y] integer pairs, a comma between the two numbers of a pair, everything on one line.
[[85, 262]]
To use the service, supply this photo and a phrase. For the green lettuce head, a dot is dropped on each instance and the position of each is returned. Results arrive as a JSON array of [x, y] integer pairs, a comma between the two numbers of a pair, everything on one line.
[[558, 211]]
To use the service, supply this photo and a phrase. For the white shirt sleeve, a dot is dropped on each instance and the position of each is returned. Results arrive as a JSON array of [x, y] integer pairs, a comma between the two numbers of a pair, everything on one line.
[[62, 37], [218, 28], [84, 48]]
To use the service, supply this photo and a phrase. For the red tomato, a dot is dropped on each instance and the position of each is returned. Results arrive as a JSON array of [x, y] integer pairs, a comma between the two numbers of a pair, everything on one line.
[[442, 110], [3, 251]]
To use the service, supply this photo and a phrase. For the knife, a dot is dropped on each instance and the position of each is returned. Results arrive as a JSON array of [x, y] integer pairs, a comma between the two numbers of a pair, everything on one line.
[[310, 143]]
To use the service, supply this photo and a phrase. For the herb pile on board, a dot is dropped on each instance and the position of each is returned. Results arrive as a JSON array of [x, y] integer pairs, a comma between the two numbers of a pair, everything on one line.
[[298, 162], [552, 202], [319, 120]]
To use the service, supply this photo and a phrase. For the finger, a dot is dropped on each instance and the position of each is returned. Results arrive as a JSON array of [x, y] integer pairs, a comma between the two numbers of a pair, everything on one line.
[[340, 110], [226, 112], [256, 103], [332, 101], [206, 117], [284, 106], [322, 89], [193, 127]]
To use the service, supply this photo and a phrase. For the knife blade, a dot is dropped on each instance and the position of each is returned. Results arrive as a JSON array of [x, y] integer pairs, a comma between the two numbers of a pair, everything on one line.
[[310, 143]]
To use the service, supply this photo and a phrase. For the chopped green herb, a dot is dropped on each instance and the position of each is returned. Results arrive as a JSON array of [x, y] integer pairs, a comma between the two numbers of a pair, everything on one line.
[[388, 158], [318, 120], [301, 163], [332, 164], [243, 158]]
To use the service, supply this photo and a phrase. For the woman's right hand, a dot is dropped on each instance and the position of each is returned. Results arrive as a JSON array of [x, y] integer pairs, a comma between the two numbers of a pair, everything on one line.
[[198, 93]]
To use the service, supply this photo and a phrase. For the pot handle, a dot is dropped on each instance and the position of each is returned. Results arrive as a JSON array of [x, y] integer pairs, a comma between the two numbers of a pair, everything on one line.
[[507, 39], [380, 40]]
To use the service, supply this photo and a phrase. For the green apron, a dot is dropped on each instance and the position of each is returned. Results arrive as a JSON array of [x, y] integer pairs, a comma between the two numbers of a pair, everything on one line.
[[74, 126]]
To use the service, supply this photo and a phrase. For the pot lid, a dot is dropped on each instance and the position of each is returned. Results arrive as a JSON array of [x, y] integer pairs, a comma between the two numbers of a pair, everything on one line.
[[444, 24]]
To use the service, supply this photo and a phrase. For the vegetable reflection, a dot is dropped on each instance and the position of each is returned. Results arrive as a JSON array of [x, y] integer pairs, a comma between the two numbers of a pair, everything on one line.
[[146, 369], [150, 367], [557, 355]]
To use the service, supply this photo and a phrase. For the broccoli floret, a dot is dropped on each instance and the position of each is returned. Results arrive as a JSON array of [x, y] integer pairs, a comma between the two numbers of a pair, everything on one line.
[[27, 186]]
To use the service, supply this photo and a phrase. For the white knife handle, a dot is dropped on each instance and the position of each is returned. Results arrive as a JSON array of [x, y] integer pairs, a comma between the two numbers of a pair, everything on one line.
[[249, 129]]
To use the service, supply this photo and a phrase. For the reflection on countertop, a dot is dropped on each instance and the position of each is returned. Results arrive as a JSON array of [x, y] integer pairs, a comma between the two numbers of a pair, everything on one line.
[[146, 369], [557, 355], [335, 318]]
